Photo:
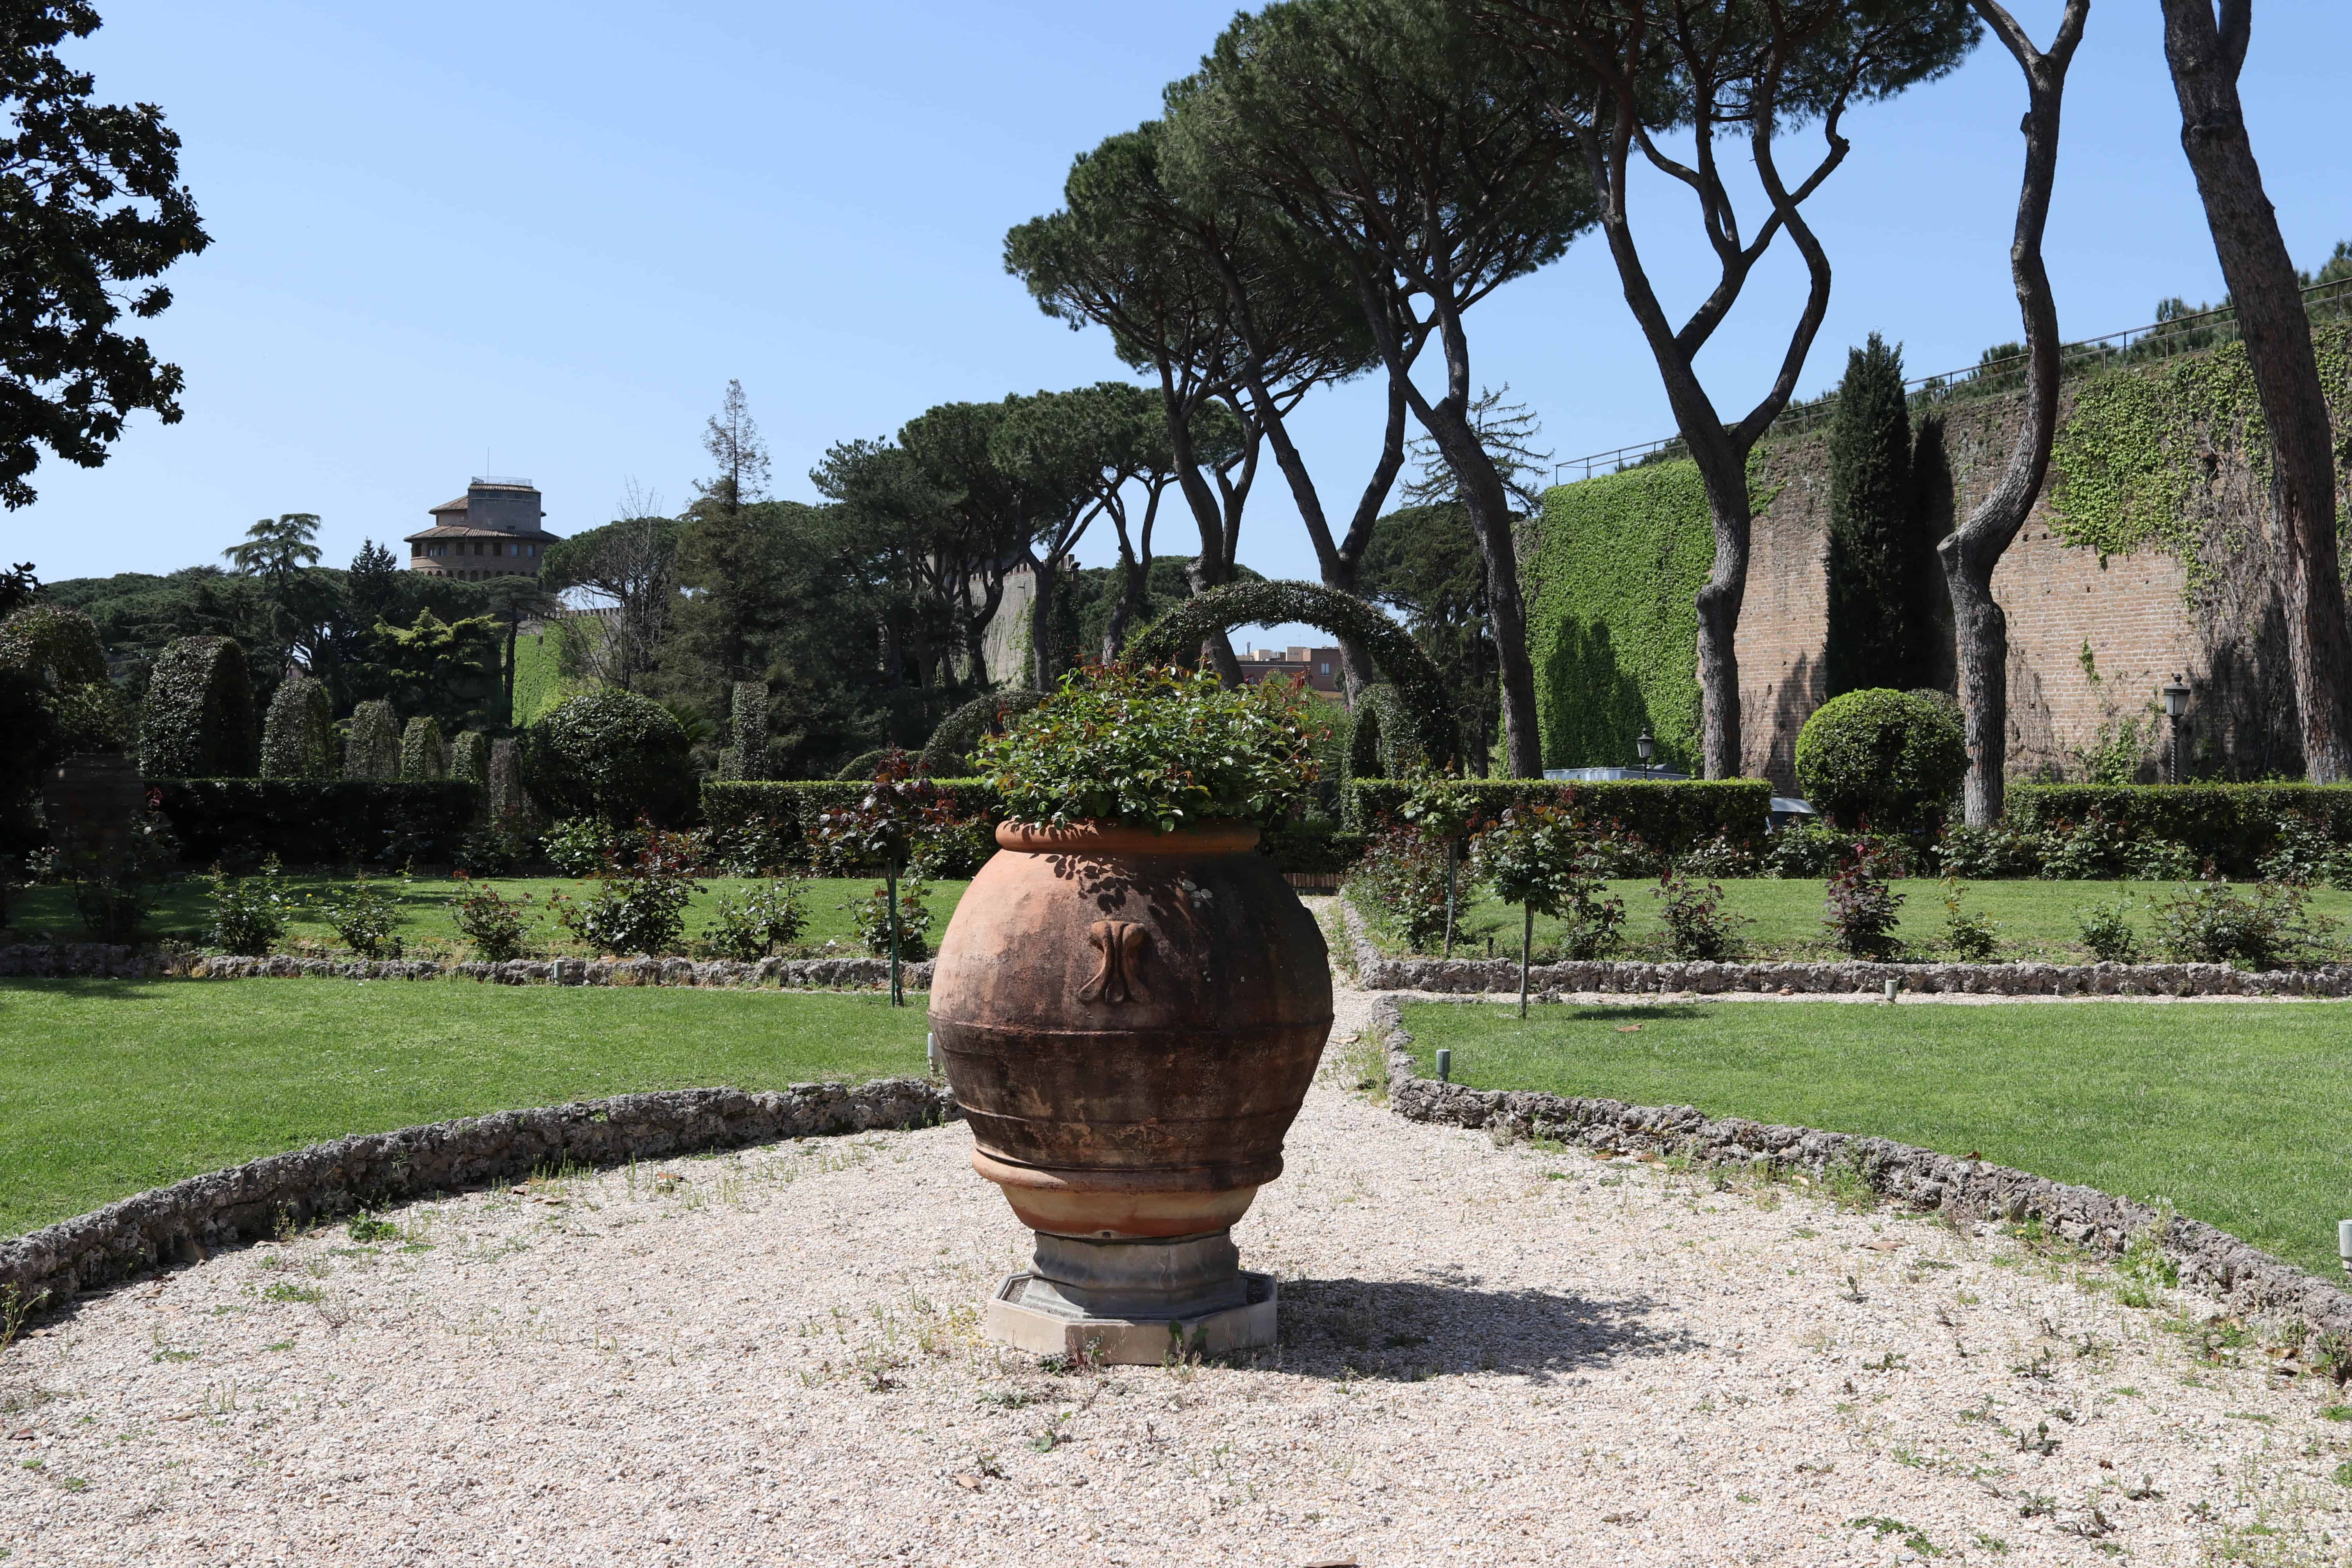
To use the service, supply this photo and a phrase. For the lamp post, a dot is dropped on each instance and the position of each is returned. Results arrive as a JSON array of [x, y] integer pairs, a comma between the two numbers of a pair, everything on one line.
[[2176, 708], [1643, 746]]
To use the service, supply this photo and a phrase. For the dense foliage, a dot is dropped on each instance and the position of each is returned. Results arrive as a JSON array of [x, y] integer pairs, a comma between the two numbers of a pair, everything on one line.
[[198, 718], [1612, 618], [424, 758], [316, 822], [371, 747], [1882, 758], [1880, 557], [1672, 816], [1544, 859], [298, 735], [1154, 748], [612, 754], [92, 204]]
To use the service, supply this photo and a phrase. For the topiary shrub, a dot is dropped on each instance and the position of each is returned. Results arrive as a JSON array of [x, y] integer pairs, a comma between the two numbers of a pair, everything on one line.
[[860, 768], [61, 642], [298, 736], [469, 758], [1888, 758], [948, 753], [423, 757], [612, 755], [1420, 688], [1381, 744], [746, 756], [372, 749], [198, 722]]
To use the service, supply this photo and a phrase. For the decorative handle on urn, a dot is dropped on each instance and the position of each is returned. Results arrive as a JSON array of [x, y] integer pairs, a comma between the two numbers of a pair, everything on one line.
[[1121, 944]]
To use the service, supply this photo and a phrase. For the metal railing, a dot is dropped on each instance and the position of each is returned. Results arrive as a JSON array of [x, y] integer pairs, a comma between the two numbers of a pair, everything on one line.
[[1990, 377]]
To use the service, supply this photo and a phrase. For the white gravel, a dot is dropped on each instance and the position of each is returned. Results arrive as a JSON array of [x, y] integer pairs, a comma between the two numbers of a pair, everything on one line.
[[1488, 1356]]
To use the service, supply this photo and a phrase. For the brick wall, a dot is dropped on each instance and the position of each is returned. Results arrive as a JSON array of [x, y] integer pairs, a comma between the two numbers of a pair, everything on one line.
[[2091, 640]]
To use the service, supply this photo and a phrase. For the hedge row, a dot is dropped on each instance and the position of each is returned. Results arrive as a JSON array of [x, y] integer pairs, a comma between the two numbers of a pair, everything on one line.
[[787, 809], [1671, 815], [2234, 825], [316, 822]]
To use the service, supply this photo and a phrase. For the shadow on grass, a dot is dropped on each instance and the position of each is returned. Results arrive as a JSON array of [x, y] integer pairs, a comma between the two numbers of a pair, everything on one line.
[[93, 985], [1635, 1010], [1407, 1331]]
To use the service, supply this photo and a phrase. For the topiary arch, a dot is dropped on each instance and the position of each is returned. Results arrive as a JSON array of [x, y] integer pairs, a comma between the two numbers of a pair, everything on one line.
[[948, 752], [1420, 689]]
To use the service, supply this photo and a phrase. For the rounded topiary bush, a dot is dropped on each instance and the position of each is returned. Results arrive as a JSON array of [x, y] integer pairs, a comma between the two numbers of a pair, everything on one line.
[[62, 642], [198, 720], [611, 753], [298, 735], [1888, 758]]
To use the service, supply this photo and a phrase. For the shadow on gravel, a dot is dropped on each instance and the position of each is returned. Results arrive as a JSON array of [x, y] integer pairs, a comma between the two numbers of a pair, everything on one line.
[[1408, 1331]]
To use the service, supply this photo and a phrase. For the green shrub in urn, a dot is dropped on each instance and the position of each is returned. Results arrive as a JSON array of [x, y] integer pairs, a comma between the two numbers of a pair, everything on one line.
[[1160, 748]]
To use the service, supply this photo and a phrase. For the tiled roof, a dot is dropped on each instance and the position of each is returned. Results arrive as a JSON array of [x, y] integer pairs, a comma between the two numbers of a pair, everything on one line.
[[459, 531]]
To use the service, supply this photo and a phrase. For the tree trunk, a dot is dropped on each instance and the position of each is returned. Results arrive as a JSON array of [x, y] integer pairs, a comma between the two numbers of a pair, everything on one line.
[[2205, 60], [1041, 626], [1972, 551], [1448, 422], [1724, 475]]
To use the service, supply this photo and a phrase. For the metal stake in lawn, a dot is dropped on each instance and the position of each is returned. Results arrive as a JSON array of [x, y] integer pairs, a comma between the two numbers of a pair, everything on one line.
[[1451, 850]]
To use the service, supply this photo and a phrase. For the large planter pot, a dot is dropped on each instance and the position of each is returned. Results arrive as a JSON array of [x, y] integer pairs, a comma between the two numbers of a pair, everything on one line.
[[1129, 1021]]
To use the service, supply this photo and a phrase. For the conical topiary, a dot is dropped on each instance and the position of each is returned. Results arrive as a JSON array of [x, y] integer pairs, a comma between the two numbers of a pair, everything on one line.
[[423, 759], [298, 737], [747, 756], [511, 810], [372, 751]]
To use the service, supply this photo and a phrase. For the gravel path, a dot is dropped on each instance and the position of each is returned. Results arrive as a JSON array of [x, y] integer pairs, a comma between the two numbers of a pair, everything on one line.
[[1488, 1356]]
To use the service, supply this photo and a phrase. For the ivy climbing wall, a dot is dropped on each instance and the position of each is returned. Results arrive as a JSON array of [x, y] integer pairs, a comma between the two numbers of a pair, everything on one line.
[[2147, 555]]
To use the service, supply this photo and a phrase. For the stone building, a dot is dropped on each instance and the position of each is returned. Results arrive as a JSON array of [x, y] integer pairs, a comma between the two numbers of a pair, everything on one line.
[[491, 531], [1318, 666]]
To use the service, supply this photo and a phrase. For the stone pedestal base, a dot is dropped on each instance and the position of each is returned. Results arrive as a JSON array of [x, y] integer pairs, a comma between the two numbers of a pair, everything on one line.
[[1029, 1313]]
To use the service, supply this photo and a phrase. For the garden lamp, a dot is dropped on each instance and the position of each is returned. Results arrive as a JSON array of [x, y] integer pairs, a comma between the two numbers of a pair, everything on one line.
[[2176, 708], [1645, 744]]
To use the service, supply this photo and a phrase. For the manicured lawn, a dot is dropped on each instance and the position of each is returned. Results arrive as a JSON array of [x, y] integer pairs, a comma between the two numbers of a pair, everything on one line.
[[44, 913], [2232, 1111], [2038, 920], [108, 1088]]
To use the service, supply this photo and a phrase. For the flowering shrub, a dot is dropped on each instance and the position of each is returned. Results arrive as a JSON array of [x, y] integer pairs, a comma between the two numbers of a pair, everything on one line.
[[249, 913], [365, 917], [754, 925], [871, 917], [1696, 925], [1862, 908], [2107, 932], [1155, 748], [640, 909], [1974, 938], [499, 928], [2273, 928], [1400, 884]]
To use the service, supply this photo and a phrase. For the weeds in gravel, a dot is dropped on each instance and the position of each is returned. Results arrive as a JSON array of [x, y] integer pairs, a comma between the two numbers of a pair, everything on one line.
[[1847, 1187], [1915, 1541]]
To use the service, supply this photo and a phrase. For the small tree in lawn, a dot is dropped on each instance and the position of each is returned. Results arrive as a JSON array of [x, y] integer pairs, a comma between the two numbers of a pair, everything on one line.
[[1541, 859], [901, 809]]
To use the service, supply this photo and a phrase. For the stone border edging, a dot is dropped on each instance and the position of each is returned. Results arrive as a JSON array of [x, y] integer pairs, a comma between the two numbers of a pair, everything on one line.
[[1376, 971], [98, 961], [184, 1222], [2211, 1259]]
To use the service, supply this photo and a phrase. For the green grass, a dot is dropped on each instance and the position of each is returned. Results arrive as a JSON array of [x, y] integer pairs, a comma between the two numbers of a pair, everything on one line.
[[2231, 1111], [2038, 919], [108, 1088], [44, 913]]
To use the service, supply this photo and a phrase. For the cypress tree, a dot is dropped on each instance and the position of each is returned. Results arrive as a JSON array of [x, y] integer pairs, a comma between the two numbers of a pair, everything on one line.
[[372, 749], [423, 757], [298, 737], [1874, 567]]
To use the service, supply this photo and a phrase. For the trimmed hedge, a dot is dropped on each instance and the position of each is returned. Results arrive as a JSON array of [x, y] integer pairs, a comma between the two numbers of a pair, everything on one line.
[[469, 758], [1888, 758], [1673, 815], [316, 822], [298, 738], [612, 754], [199, 720], [2234, 825], [371, 749], [787, 809], [423, 759]]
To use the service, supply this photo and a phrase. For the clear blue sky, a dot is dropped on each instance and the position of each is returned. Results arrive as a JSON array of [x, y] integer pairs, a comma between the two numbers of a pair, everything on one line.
[[537, 238]]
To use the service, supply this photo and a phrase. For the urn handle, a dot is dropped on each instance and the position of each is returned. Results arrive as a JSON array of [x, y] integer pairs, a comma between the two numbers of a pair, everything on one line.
[[1120, 978]]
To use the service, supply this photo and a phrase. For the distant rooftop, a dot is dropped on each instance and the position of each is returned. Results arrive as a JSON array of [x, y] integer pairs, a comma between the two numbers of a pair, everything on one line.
[[499, 479]]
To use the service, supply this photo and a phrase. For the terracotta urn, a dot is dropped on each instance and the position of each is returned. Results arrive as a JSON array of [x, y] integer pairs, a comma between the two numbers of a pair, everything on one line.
[[1129, 1021]]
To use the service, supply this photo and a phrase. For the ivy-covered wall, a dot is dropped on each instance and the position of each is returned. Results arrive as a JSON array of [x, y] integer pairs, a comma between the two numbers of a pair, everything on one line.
[[2148, 556], [1612, 625]]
